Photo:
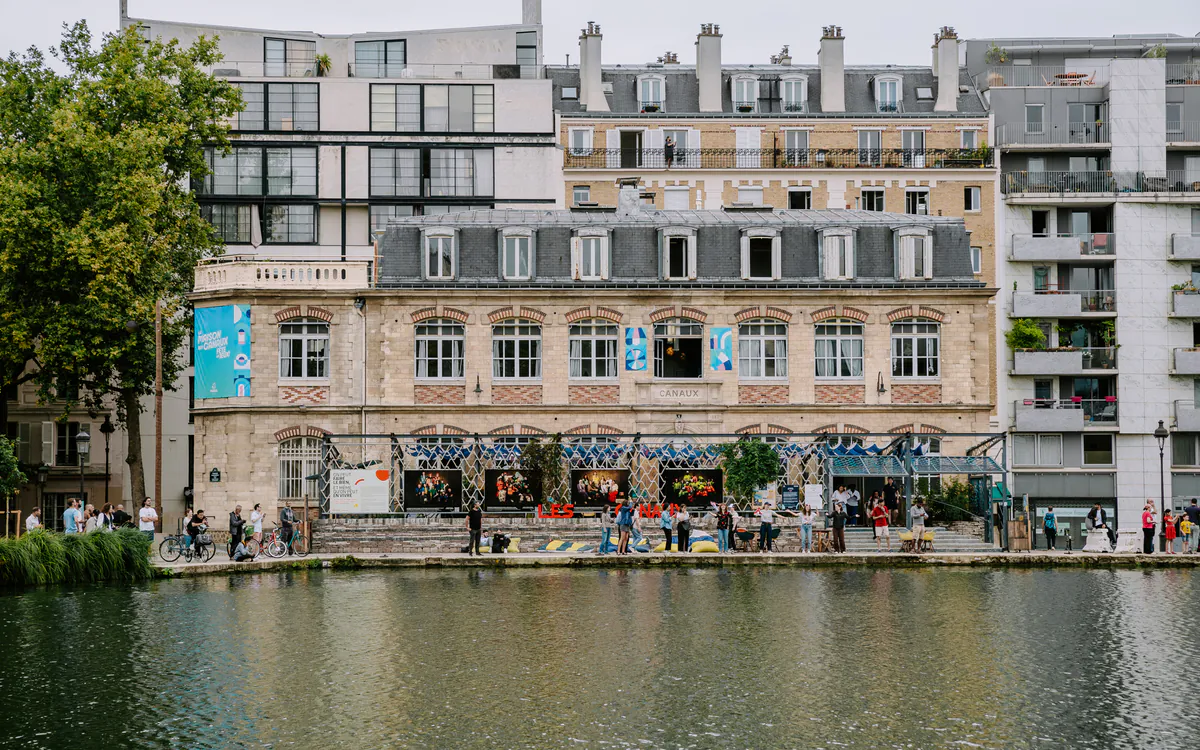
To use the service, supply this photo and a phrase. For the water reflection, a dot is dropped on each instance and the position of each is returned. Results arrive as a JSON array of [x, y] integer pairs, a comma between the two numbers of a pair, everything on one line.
[[705, 658]]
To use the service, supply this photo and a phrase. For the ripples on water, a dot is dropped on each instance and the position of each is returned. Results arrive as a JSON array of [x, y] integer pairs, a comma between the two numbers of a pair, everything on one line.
[[746, 658]]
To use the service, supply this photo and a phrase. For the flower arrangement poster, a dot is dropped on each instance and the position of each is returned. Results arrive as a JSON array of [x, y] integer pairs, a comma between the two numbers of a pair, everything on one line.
[[706, 478], [433, 488]]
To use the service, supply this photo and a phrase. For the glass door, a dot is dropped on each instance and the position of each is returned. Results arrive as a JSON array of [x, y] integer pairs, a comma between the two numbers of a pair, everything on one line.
[[914, 148]]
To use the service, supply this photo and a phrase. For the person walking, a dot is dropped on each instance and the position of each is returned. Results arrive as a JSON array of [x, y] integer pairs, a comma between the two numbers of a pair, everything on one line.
[[666, 523], [837, 520], [624, 527], [918, 514], [1148, 522], [475, 527], [806, 526], [683, 529], [766, 527], [237, 525], [256, 522], [33, 520], [287, 517], [724, 519], [1193, 538], [606, 524], [147, 516], [1050, 526], [1169, 532], [879, 516]]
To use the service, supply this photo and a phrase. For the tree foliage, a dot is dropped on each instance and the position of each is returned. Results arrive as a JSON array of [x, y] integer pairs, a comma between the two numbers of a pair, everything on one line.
[[542, 461], [1024, 335], [97, 223], [12, 479], [749, 465]]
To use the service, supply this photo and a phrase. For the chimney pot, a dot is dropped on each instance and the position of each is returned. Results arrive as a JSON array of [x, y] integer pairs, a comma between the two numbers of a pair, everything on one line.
[[832, 62]]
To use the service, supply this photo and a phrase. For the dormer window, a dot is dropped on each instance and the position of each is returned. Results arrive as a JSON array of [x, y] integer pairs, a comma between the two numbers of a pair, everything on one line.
[[887, 93], [793, 94], [836, 258], [677, 253], [745, 93], [518, 254], [914, 253], [761, 254], [440, 253], [652, 90]]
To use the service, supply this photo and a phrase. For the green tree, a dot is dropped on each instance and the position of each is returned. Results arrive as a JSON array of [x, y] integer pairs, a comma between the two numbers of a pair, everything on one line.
[[1025, 334], [97, 223], [12, 479], [749, 464], [542, 461]]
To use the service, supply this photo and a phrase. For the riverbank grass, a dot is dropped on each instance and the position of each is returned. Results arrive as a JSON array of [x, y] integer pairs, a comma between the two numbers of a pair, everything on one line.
[[46, 557]]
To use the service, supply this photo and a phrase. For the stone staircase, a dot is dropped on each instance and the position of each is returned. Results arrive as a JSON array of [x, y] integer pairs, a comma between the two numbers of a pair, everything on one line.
[[861, 540]]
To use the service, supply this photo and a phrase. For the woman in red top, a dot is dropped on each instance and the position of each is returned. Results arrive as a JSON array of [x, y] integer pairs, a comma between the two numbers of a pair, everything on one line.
[[1148, 529], [880, 515], [1169, 531]]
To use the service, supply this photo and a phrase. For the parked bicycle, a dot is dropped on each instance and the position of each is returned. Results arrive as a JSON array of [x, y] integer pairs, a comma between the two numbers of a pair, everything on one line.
[[275, 546], [252, 546], [176, 546]]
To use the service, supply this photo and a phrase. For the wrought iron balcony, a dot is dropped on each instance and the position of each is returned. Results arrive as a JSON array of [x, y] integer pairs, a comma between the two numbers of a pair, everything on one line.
[[778, 158]]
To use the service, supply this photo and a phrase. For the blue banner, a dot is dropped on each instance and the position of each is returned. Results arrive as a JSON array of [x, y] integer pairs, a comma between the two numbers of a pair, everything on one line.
[[720, 342], [635, 349], [222, 348]]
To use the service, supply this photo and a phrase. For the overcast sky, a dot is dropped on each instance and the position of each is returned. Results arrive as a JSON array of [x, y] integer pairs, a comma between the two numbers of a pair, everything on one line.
[[636, 31]]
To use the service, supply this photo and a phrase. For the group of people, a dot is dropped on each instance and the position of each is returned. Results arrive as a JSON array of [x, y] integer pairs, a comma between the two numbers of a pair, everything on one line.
[[1184, 526], [675, 523], [85, 519], [597, 492], [888, 498]]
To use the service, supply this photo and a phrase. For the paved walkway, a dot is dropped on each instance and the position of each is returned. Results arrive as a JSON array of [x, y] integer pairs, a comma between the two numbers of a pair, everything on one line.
[[221, 565]]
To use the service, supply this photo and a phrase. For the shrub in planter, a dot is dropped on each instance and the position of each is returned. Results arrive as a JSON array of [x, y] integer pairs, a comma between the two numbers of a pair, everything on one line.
[[1025, 335]]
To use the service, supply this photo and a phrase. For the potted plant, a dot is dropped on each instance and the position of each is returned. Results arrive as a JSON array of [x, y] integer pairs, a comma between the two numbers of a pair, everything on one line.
[[324, 64], [1025, 335], [749, 464], [995, 55]]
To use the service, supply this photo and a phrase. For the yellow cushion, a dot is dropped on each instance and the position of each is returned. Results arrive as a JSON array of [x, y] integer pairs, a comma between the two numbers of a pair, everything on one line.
[[704, 546], [928, 536], [512, 546]]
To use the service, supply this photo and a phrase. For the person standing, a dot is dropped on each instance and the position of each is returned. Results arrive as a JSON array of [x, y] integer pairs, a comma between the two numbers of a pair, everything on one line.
[[236, 525], [891, 499], [106, 517], [806, 526], [287, 517], [120, 517], [665, 523], [475, 527], [256, 522], [89, 519], [1050, 526], [1148, 522], [734, 519], [766, 527], [147, 516], [683, 529], [33, 520], [918, 514], [879, 516], [669, 151], [624, 527], [72, 517], [837, 519], [1169, 532], [1193, 514], [724, 519], [605, 529], [841, 496]]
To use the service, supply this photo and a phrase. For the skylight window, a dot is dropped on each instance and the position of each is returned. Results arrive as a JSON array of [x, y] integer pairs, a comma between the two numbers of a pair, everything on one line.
[[924, 92]]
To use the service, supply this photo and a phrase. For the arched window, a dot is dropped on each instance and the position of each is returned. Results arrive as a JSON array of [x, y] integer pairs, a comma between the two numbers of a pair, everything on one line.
[[592, 347], [299, 458], [762, 349], [303, 349], [517, 349], [678, 348], [440, 348], [916, 348], [839, 349]]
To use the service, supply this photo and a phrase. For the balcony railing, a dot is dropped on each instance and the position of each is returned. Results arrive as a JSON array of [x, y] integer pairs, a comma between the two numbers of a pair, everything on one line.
[[1183, 132], [1068, 182], [1052, 303], [1171, 181], [652, 105], [248, 272], [1183, 73], [1046, 75], [778, 158], [1096, 411], [1075, 133], [466, 71], [1066, 246], [744, 106]]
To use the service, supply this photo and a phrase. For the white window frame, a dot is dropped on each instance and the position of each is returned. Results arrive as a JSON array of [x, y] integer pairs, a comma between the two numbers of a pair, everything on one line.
[[898, 82], [577, 191], [1042, 444], [751, 194], [870, 155], [795, 154], [792, 104], [647, 79], [586, 241], [299, 458], [755, 337], [753, 233], [751, 82], [976, 194], [664, 242], [837, 255], [312, 334], [918, 333], [588, 137], [450, 338], [508, 338], [846, 337], [873, 190], [969, 133], [515, 242], [976, 260], [446, 239], [597, 334], [907, 246], [918, 192]]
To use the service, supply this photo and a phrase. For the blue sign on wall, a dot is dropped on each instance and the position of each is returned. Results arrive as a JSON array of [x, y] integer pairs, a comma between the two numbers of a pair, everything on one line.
[[720, 344], [635, 349], [222, 351]]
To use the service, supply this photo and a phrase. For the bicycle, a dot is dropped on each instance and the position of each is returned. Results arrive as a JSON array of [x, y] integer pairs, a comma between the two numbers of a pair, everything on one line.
[[173, 547], [274, 545], [252, 546]]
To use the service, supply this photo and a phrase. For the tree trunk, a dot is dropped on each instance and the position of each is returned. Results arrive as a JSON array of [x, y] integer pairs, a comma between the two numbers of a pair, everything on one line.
[[133, 457]]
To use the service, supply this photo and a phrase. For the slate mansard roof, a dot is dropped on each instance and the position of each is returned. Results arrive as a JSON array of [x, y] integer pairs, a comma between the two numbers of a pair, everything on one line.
[[634, 248]]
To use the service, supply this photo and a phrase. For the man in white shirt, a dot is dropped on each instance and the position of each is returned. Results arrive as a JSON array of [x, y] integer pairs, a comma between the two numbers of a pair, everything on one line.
[[34, 520], [147, 516]]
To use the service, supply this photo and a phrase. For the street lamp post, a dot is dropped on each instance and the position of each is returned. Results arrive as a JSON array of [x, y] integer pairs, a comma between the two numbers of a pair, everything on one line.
[[43, 473], [1161, 434], [107, 429], [83, 446]]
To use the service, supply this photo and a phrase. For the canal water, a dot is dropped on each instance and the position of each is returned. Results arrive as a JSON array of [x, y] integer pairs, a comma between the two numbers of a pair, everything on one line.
[[703, 658]]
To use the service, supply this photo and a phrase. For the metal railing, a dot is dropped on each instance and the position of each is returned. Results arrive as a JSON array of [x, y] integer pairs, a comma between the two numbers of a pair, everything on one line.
[[1183, 73], [1049, 134], [1067, 182], [744, 106], [1095, 410], [466, 71], [652, 105], [1090, 300], [778, 158], [1045, 75], [260, 69], [1097, 243], [1183, 132], [1171, 181]]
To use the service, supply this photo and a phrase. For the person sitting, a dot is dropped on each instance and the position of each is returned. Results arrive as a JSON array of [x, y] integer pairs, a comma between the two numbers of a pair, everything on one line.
[[240, 553], [500, 543]]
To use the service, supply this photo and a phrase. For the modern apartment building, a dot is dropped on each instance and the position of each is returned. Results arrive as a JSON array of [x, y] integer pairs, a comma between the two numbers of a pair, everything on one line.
[[1099, 226], [592, 321]]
